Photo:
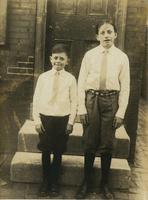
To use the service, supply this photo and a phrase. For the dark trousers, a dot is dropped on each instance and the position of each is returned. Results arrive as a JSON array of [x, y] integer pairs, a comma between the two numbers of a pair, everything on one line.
[[51, 170], [99, 134], [54, 138], [88, 168]]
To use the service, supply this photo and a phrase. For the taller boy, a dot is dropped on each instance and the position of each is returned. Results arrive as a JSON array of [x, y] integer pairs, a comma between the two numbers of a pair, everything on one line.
[[54, 110], [103, 93]]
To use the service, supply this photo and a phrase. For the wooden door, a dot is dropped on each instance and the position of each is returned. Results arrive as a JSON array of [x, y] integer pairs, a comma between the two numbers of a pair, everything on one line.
[[73, 22]]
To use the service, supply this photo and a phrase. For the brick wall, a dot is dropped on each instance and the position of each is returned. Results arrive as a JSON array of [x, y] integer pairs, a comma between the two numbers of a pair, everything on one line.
[[135, 41], [17, 56], [20, 37], [16, 70]]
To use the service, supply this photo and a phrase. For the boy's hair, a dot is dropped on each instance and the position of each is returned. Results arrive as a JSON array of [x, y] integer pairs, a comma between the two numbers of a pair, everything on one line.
[[105, 22], [60, 48]]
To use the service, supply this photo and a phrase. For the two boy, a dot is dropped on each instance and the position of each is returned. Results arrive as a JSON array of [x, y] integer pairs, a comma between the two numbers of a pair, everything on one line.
[[103, 93]]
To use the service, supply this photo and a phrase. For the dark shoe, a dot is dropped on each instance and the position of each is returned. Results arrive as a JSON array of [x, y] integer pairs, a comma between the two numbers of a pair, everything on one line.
[[54, 191], [82, 191], [44, 190], [106, 192]]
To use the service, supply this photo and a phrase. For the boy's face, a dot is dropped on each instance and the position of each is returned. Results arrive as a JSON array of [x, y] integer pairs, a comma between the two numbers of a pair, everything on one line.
[[59, 60], [106, 35]]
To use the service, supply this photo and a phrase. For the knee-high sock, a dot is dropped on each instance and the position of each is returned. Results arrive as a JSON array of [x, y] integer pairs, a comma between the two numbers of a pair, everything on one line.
[[56, 166], [105, 167], [46, 165], [88, 166]]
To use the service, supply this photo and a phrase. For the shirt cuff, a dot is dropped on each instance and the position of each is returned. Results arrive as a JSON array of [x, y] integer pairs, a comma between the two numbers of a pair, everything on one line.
[[120, 114], [71, 121], [37, 121], [82, 110]]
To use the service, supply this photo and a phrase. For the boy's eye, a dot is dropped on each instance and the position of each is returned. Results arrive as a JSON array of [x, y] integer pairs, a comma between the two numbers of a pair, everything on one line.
[[59, 57], [102, 33], [109, 31]]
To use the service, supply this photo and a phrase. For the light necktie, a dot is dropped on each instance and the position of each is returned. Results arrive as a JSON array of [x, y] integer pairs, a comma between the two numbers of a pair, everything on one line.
[[103, 71], [55, 86]]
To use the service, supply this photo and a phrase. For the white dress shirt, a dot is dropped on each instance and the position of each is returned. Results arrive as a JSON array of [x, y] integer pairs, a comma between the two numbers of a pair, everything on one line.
[[64, 104], [117, 78]]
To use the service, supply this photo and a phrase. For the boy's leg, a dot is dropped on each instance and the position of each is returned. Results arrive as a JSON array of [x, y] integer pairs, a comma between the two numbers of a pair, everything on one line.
[[90, 141], [46, 173], [105, 170], [56, 170], [87, 182], [88, 168], [108, 108]]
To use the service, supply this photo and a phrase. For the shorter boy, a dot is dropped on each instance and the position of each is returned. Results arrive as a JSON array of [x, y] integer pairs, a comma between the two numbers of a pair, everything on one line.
[[54, 111]]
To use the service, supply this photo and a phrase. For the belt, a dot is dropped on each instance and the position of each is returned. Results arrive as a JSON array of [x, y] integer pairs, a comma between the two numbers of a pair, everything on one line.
[[103, 92]]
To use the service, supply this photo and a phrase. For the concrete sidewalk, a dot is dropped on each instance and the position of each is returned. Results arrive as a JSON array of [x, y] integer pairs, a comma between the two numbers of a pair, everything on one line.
[[139, 180]]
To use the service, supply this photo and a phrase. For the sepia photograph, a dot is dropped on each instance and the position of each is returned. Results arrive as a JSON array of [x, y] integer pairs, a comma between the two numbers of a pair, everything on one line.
[[74, 99]]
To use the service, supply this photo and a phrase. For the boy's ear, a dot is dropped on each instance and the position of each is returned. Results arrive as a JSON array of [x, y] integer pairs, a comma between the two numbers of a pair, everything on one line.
[[115, 35], [50, 58], [97, 37], [68, 61]]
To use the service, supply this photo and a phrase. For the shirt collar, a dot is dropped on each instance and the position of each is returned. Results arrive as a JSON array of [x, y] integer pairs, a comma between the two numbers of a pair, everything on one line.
[[110, 50], [55, 71]]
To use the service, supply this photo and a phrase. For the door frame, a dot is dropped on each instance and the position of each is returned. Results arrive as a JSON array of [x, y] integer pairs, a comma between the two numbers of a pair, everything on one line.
[[40, 36], [120, 22]]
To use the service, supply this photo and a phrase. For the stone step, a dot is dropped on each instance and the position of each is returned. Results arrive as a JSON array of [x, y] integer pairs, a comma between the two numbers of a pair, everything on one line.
[[28, 140], [26, 167]]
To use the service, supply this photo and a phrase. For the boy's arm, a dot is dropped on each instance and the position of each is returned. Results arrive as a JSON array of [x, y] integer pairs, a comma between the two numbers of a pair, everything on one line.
[[81, 87], [39, 128], [36, 102], [73, 102], [82, 112], [69, 129], [124, 79]]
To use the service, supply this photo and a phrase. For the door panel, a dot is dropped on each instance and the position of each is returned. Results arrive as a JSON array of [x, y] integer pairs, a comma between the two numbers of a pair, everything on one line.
[[97, 7], [65, 7], [73, 22]]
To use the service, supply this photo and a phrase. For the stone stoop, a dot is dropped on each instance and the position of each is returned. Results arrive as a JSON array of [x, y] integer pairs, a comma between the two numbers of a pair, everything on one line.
[[26, 163], [28, 140], [26, 167]]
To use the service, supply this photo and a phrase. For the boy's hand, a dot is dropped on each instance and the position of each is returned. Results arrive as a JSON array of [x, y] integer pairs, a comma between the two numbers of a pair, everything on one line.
[[117, 122], [39, 128], [84, 119], [69, 129]]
